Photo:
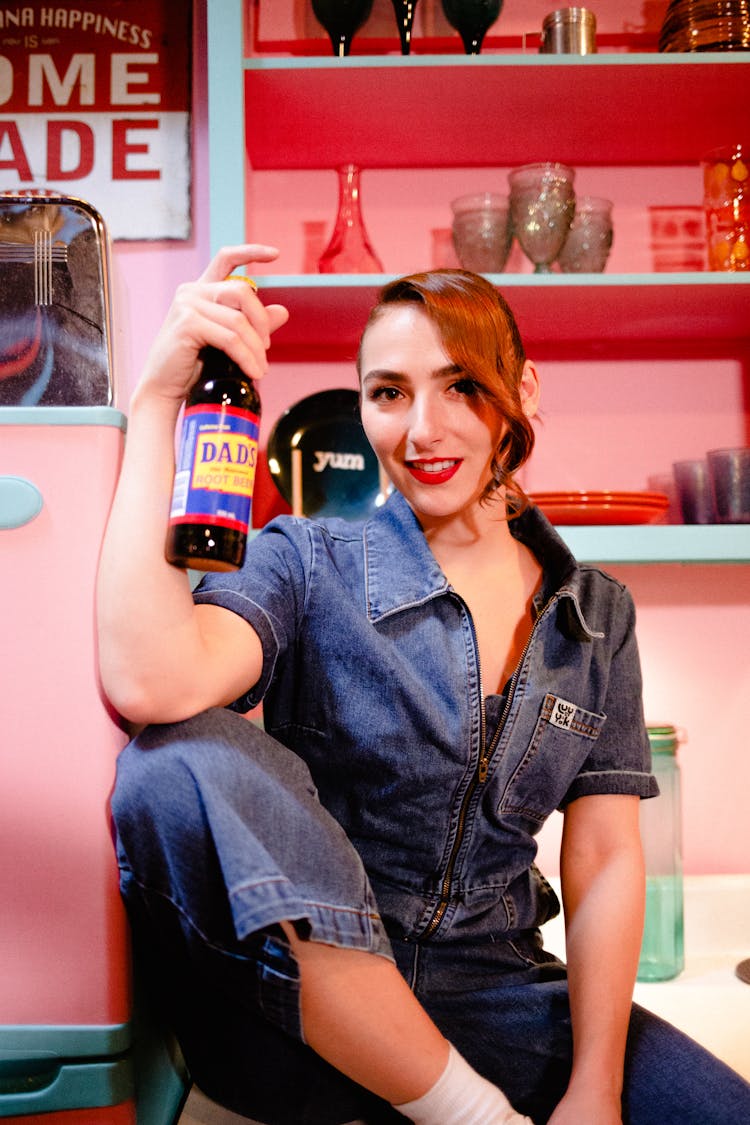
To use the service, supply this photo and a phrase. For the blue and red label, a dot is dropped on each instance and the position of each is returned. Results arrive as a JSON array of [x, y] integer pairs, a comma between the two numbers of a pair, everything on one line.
[[216, 464]]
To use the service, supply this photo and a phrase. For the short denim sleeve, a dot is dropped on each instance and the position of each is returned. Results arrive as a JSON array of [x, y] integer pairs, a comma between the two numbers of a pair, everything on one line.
[[620, 759], [268, 592]]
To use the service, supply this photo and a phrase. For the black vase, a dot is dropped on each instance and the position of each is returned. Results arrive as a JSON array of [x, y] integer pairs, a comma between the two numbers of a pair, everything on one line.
[[404, 10], [341, 19], [472, 19]]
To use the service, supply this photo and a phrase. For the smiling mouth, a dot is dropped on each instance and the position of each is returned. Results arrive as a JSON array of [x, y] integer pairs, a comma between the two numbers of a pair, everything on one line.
[[436, 471]]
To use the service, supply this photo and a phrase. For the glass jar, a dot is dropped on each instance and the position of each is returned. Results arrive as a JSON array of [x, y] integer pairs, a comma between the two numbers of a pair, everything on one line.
[[662, 950], [726, 201]]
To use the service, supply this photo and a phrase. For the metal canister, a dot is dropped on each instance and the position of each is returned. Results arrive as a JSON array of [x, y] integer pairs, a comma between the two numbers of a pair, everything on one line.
[[569, 31]]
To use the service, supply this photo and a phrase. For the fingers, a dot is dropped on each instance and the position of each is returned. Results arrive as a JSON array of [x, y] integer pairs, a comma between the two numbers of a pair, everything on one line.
[[230, 258], [224, 314], [234, 323], [228, 313], [278, 315]]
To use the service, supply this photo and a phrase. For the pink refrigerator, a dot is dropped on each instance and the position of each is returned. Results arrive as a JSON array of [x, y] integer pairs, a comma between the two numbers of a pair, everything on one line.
[[71, 1050]]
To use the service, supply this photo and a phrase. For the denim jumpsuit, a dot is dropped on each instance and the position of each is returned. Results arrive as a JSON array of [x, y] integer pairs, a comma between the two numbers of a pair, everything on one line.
[[389, 805]]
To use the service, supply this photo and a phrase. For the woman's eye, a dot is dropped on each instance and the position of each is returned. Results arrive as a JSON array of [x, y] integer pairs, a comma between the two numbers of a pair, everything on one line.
[[385, 394], [465, 386]]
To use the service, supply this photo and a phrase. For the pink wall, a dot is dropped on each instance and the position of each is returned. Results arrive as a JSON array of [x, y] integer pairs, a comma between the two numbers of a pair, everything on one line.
[[638, 416], [146, 274]]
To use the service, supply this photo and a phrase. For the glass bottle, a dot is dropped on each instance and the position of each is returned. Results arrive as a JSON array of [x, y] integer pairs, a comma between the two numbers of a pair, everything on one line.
[[662, 949], [218, 451], [349, 250]]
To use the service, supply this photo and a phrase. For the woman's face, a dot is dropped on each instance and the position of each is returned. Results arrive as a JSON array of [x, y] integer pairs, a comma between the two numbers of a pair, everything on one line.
[[432, 432]]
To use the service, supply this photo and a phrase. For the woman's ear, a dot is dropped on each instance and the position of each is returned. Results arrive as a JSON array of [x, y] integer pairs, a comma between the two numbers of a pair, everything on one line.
[[530, 389]]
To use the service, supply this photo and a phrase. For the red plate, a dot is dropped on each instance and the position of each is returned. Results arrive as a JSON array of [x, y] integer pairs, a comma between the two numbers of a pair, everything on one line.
[[602, 507]]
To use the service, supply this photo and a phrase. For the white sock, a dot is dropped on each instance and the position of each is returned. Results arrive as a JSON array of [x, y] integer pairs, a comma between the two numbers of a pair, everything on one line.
[[462, 1097]]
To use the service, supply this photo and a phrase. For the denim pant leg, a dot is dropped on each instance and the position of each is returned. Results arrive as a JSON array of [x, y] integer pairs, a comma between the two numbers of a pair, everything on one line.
[[512, 1022], [220, 836]]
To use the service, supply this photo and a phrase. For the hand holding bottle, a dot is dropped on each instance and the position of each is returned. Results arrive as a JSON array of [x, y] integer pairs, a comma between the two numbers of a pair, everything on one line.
[[218, 311]]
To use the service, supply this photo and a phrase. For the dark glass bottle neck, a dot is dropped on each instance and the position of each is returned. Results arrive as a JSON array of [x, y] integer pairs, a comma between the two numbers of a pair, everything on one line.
[[217, 364]]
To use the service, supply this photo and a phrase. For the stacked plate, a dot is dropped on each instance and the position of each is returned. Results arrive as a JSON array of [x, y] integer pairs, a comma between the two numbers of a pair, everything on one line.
[[706, 25], [602, 507]]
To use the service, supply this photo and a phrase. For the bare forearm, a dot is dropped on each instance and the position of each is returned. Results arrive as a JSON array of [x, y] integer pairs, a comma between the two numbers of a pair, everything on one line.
[[145, 609], [603, 944], [603, 893]]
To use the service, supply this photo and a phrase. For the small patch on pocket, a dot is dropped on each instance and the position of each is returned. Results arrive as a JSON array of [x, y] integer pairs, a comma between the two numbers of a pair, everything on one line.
[[569, 716], [561, 741]]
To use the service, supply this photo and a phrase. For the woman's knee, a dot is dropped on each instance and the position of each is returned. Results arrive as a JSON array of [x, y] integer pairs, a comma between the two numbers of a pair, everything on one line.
[[158, 763], [161, 772], [670, 1077]]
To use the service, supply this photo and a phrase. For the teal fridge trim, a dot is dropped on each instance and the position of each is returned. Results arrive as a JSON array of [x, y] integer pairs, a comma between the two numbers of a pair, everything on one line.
[[75, 1041], [62, 416], [39, 1073], [47, 1085], [162, 1082]]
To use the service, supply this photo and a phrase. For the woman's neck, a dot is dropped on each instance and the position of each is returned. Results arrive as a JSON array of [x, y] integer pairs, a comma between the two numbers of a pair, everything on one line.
[[482, 529]]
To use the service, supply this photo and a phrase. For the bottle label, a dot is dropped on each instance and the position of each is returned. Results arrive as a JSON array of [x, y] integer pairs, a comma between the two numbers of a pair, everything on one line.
[[216, 465]]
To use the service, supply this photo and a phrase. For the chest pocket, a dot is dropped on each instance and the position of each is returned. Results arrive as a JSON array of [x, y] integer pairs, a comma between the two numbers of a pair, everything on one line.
[[563, 738]]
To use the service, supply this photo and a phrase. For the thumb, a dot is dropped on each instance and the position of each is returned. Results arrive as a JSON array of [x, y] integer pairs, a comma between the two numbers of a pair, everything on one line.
[[277, 316]]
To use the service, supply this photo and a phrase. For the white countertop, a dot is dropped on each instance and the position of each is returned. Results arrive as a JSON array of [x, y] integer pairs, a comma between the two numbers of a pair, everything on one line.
[[707, 1000]]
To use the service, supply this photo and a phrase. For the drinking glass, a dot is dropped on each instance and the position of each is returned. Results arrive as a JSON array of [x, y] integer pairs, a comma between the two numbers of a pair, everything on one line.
[[472, 19], [589, 240], [542, 206], [694, 491], [404, 11], [481, 231], [341, 19], [729, 470]]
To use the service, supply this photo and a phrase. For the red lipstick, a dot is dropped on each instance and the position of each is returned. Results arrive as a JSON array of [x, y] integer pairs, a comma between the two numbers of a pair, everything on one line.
[[435, 470]]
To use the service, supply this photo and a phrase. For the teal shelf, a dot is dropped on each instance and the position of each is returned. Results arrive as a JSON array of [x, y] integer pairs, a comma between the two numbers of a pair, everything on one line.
[[491, 61], [648, 544], [717, 543]]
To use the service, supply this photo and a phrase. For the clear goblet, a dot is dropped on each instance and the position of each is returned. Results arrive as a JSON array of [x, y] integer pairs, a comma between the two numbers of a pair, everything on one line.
[[589, 240], [341, 19], [472, 19], [481, 231], [542, 206]]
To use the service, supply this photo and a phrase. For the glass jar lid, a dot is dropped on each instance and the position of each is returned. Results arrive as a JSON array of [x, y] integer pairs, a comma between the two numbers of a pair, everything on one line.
[[663, 739]]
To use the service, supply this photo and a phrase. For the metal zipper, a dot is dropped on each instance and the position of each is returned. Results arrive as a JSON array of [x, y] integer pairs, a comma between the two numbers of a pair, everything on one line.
[[479, 778]]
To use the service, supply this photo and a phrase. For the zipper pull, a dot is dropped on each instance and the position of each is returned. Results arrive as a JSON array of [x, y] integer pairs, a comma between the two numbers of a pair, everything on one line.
[[484, 766]]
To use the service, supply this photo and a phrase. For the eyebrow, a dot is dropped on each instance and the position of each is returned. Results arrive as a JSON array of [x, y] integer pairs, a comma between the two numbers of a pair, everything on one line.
[[384, 374]]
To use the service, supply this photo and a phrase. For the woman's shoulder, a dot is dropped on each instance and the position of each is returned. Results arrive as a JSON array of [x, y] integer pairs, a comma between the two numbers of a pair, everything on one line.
[[307, 528]]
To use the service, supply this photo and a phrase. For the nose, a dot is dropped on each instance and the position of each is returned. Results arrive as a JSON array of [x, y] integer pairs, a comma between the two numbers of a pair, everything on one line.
[[426, 421]]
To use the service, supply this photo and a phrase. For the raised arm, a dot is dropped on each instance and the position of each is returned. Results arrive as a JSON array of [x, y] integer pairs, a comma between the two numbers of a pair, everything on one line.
[[161, 657]]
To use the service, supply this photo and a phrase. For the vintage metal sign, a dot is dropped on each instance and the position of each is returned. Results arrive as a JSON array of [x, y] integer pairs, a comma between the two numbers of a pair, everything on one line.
[[95, 102]]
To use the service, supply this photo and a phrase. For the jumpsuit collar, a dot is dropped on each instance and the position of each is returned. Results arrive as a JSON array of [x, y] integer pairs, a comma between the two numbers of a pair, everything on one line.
[[401, 570]]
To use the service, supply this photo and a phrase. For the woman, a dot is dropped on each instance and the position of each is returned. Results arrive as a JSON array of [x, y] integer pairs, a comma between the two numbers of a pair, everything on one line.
[[342, 912]]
